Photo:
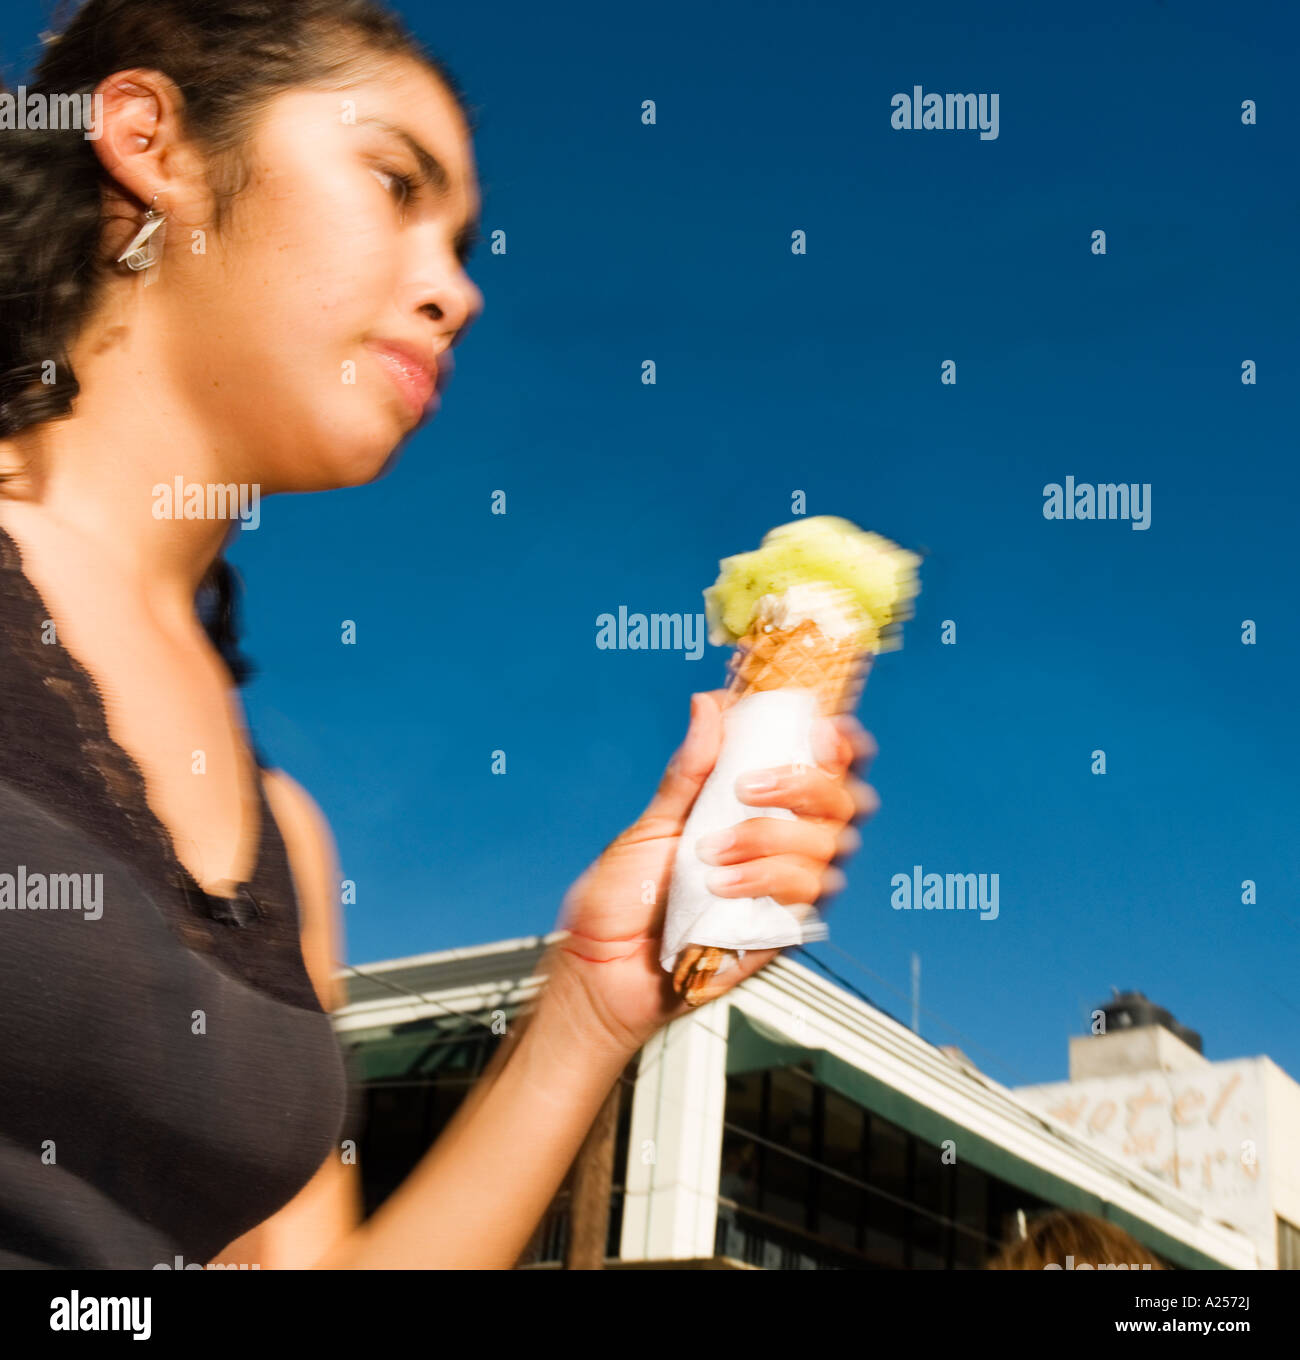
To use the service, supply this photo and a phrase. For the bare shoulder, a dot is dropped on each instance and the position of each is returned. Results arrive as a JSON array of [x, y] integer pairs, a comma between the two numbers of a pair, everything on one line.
[[313, 861]]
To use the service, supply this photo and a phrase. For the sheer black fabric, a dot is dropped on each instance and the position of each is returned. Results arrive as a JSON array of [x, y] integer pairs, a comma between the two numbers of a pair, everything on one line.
[[168, 1079]]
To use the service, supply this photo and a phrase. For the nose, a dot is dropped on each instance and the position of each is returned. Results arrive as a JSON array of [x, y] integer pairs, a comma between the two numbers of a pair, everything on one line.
[[453, 304]]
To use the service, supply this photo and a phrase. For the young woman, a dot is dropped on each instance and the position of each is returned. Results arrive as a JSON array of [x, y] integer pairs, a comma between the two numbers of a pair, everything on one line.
[[173, 1086]]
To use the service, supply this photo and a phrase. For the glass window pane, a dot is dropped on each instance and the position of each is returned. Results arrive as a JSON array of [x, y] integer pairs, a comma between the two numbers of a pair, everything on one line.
[[842, 1136], [929, 1243], [931, 1188], [971, 1212], [745, 1101], [969, 1252], [932, 1178], [786, 1188], [839, 1203], [839, 1211], [887, 1172], [395, 1139], [791, 1111], [739, 1178], [786, 1183], [971, 1207]]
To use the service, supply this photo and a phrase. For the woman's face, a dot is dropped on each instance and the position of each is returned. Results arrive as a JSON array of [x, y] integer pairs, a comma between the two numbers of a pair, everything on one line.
[[284, 331]]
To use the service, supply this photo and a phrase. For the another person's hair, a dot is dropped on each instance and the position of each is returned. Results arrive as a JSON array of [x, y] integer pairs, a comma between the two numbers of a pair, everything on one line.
[[228, 58], [1052, 1237]]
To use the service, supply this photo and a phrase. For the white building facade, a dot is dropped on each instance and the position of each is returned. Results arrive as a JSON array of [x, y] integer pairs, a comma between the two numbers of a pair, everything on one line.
[[790, 1124], [1223, 1135]]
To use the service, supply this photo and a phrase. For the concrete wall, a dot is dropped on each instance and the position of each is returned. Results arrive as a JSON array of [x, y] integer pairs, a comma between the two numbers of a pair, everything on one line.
[[1150, 1048], [1204, 1131], [1283, 1170]]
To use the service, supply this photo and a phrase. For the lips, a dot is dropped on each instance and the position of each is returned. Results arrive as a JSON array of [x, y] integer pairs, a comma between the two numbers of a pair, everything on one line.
[[415, 376]]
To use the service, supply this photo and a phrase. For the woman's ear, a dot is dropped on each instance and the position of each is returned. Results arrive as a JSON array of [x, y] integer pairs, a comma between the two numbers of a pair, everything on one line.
[[143, 146]]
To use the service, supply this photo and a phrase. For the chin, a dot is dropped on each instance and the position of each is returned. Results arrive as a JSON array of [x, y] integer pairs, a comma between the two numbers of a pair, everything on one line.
[[360, 461]]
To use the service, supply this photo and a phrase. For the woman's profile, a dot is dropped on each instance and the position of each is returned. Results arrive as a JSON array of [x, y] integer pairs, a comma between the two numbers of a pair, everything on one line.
[[253, 278]]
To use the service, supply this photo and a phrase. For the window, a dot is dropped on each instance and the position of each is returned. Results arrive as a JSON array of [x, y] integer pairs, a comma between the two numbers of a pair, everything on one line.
[[886, 1219], [745, 1101], [1288, 1245], [931, 1191], [839, 1202], [819, 1182], [971, 1247], [786, 1183]]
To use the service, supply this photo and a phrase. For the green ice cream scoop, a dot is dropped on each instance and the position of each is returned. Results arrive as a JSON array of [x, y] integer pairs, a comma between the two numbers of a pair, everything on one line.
[[824, 567]]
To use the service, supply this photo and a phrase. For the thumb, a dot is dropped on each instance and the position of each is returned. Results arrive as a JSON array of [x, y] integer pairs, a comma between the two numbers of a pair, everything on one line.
[[690, 766]]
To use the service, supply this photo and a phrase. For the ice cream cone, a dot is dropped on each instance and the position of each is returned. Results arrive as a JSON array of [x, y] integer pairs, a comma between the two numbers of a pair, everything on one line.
[[806, 612], [802, 657]]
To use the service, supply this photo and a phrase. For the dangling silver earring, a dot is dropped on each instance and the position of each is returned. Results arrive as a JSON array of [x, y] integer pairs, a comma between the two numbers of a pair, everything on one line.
[[145, 247]]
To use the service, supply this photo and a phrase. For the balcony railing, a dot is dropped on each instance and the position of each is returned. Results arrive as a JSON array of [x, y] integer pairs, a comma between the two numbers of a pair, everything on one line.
[[742, 1235], [550, 1244]]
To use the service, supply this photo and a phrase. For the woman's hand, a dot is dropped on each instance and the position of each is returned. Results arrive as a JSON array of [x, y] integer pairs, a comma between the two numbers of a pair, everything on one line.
[[615, 912]]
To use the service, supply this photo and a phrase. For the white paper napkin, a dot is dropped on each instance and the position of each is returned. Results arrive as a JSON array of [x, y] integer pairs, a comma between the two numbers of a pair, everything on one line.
[[764, 730]]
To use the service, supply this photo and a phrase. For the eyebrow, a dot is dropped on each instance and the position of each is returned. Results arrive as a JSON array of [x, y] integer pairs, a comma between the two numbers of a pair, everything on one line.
[[433, 170]]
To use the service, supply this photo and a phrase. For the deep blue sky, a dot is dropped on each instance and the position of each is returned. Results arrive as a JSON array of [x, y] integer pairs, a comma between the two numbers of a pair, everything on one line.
[[778, 372]]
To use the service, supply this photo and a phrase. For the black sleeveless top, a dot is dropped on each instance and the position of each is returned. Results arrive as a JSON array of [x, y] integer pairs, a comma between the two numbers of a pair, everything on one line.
[[168, 1079]]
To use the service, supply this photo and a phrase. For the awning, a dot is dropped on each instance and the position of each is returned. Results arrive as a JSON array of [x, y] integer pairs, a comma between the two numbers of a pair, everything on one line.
[[417, 1051]]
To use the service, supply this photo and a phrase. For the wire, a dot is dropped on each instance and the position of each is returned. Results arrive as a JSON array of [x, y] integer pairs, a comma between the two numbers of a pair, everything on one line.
[[802, 949], [929, 1014], [747, 1134], [470, 1021]]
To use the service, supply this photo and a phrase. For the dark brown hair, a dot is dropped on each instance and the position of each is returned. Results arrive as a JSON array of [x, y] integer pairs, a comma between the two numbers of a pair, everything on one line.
[[227, 58]]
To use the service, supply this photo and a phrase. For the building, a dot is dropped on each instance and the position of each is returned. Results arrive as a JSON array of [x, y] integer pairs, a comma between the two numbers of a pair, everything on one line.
[[1223, 1134], [788, 1125]]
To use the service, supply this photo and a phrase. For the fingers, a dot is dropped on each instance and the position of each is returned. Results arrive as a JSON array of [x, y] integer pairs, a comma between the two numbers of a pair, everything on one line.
[[787, 879], [841, 742], [809, 793], [864, 746], [848, 842], [866, 801], [761, 836], [690, 766]]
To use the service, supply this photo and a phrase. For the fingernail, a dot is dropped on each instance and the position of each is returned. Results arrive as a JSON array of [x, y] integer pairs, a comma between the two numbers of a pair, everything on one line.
[[762, 782], [708, 848], [722, 878], [825, 741]]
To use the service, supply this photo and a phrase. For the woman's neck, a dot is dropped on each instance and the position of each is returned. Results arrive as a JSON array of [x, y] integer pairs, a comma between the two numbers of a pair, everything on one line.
[[109, 472]]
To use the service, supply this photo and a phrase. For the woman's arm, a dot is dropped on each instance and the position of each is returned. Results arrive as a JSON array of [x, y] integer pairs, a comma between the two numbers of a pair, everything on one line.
[[476, 1198]]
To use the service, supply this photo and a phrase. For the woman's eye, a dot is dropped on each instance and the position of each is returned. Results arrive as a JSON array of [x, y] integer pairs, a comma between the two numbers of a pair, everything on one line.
[[399, 185]]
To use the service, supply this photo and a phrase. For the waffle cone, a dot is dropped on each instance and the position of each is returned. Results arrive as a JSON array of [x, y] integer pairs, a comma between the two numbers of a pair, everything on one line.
[[802, 657]]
